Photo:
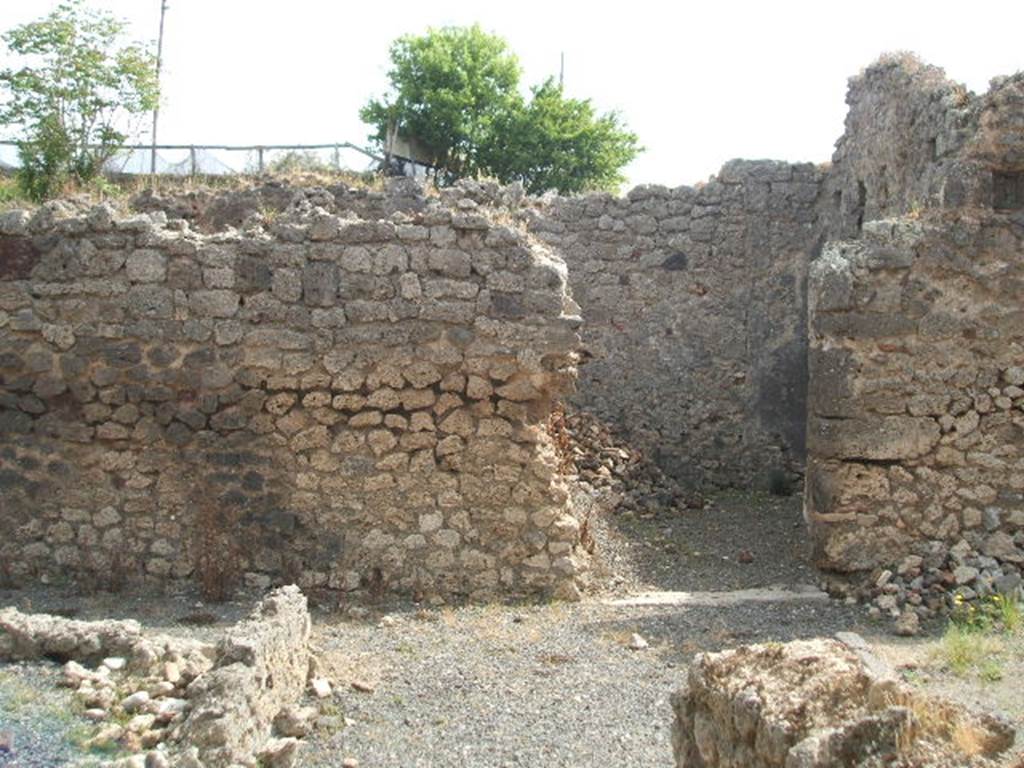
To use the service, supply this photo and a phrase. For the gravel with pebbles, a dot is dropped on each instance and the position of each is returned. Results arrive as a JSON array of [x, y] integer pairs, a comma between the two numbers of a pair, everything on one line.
[[536, 685], [559, 685], [545, 686], [39, 725]]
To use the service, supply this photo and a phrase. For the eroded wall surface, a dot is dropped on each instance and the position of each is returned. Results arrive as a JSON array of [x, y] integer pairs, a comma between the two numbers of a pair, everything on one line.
[[349, 404], [916, 141], [694, 302], [916, 432]]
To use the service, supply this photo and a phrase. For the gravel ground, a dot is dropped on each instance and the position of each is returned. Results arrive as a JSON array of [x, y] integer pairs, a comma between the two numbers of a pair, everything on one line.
[[39, 725], [737, 541], [540, 686], [558, 685]]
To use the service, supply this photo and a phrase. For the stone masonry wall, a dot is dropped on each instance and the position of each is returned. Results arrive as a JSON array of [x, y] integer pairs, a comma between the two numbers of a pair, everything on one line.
[[916, 431], [915, 141], [694, 302], [694, 307], [349, 404]]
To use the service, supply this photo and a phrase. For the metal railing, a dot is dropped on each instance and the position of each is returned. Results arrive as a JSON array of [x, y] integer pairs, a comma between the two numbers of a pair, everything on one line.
[[225, 159]]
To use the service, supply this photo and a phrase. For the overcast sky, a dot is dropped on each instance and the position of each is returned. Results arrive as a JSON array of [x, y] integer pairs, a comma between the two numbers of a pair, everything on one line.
[[700, 83]]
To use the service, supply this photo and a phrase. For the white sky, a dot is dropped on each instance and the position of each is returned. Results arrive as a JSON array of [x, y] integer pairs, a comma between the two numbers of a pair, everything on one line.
[[699, 82]]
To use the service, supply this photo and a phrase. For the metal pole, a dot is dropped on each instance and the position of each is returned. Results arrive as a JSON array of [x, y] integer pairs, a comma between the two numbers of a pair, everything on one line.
[[192, 160], [156, 109], [561, 71], [259, 155]]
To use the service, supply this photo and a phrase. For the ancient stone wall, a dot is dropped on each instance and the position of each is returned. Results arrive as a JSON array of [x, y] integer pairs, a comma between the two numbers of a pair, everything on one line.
[[915, 140], [693, 299], [916, 430], [694, 308], [348, 404], [261, 667]]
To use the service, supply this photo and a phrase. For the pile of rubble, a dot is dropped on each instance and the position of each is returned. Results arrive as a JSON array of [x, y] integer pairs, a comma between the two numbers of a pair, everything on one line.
[[604, 462], [172, 701], [822, 703], [924, 586]]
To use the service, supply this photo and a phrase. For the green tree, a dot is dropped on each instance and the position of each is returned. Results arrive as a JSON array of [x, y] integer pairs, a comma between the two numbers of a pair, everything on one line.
[[448, 88], [554, 142], [455, 93], [77, 88]]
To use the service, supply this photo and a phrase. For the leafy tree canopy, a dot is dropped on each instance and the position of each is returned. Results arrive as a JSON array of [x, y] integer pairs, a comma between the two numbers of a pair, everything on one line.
[[455, 91], [76, 89]]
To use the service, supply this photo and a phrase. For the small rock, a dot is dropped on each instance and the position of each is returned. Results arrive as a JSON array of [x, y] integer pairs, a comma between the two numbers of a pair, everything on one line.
[[964, 574], [362, 686], [1008, 584], [909, 563], [152, 738], [321, 687], [279, 753], [161, 689], [168, 710], [349, 762], [172, 672], [908, 624], [75, 674], [140, 723], [294, 721], [745, 556], [101, 699], [637, 642], [96, 715], [157, 759], [135, 702], [388, 621], [106, 739], [114, 663], [883, 578], [886, 602]]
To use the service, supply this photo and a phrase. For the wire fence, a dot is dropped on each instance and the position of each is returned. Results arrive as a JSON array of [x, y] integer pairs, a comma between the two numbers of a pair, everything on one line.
[[226, 160]]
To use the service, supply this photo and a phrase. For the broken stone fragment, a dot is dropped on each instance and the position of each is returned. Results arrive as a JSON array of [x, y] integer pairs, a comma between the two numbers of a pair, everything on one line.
[[280, 753], [295, 721], [321, 687], [908, 624], [135, 701], [757, 706], [637, 642], [363, 686], [106, 738]]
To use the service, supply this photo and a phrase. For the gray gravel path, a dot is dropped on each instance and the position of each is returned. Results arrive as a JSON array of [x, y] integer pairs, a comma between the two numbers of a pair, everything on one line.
[[737, 541], [550, 686], [541, 686]]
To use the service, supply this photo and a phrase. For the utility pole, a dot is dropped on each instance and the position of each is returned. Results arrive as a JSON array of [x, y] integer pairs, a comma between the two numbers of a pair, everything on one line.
[[156, 109], [561, 72]]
